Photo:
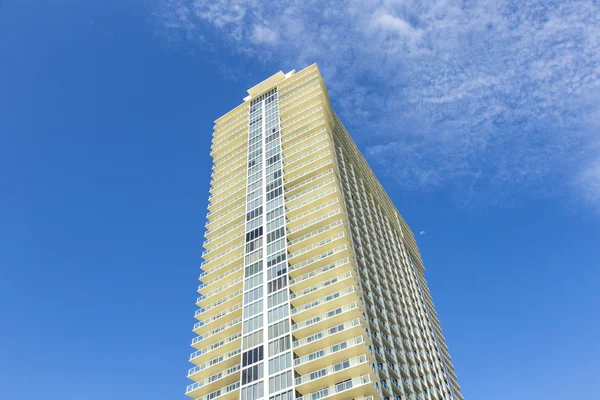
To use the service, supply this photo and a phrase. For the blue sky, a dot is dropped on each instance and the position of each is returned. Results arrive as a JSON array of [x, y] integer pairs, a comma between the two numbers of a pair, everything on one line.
[[482, 120]]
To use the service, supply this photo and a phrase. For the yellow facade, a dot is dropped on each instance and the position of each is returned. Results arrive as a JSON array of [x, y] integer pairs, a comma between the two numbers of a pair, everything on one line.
[[351, 293]]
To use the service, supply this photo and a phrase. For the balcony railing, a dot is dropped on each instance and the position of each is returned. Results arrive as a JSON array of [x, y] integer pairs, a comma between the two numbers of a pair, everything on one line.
[[352, 362], [215, 377], [223, 391], [339, 388], [328, 332], [214, 361], [329, 350]]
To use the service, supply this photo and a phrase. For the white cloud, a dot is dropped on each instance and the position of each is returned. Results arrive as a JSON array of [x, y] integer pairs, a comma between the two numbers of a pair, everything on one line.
[[422, 233], [484, 97], [263, 34]]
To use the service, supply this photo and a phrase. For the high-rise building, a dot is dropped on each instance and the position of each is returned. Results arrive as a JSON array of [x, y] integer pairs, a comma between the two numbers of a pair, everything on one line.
[[312, 286]]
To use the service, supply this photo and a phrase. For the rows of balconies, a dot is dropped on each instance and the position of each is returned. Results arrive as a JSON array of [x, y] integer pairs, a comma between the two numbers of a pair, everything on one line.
[[223, 224], [335, 373], [238, 237], [224, 134], [288, 140], [315, 223], [296, 131], [229, 392], [221, 255], [318, 261], [319, 340], [300, 96], [232, 273], [229, 143], [306, 98], [321, 208], [306, 164], [303, 85], [285, 120], [231, 118], [223, 233], [203, 326], [227, 200], [303, 119], [305, 144], [226, 328], [330, 355], [217, 305], [225, 163], [292, 180], [209, 272], [224, 170], [226, 344], [325, 194], [216, 364], [331, 284], [211, 383], [314, 248], [316, 234], [298, 77], [225, 220], [232, 185], [218, 185], [359, 388], [334, 317], [336, 268], [230, 136], [229, 287], [289, 191], [219, 156], [290, 163]]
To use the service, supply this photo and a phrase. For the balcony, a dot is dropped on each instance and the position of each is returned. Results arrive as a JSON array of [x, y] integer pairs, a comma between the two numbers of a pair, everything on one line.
[[307, 164], [305, 146], [209, 243], [289, 138], [215, 365], [330, 271], [291, 163], [310, 294], [230, 199], [219, 305], [293, 223], [319, 247], [239, 237], [231, 274], [361, 388], [224, 290], [340, 371], [316, 235], [328, 337], [221, 260], [221, 224], [225, 315], [333, 317], [224, 345], [314, 178], [229, 392], [298, 144], [336, 299], [339, 352], [324, 195], [229, 328], [322, 260]]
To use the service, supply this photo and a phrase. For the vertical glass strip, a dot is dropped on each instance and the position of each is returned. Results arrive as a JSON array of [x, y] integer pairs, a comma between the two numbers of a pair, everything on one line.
[[266, 340]]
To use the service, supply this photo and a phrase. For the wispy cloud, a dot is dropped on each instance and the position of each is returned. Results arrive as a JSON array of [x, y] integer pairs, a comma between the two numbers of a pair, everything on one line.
[[493, 95]]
